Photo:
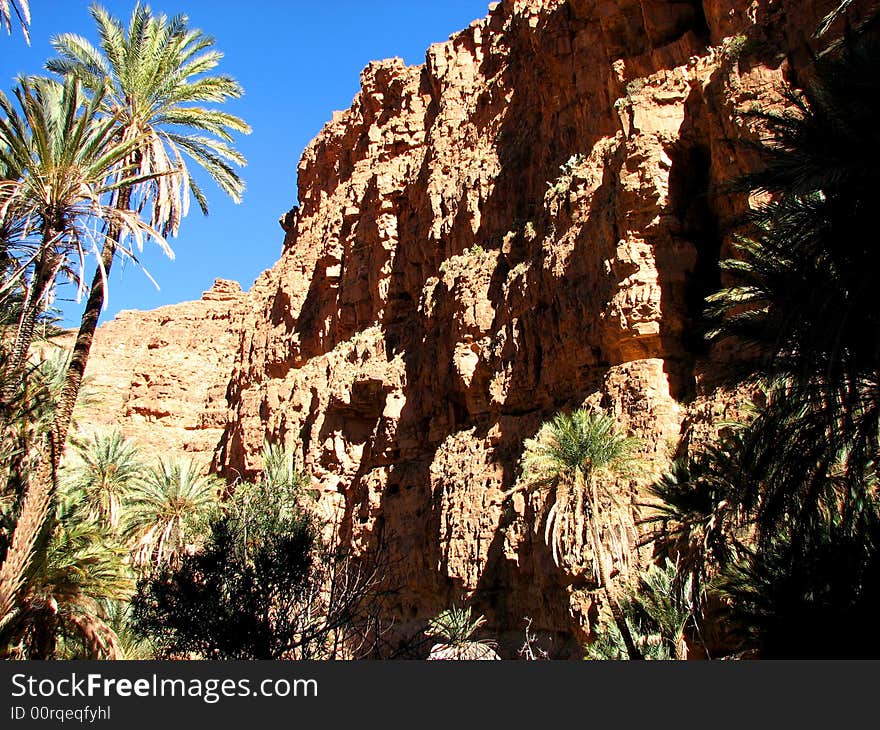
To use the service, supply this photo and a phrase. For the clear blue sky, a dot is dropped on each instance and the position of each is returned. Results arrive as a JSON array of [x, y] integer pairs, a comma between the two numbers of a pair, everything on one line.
[[298, 61]]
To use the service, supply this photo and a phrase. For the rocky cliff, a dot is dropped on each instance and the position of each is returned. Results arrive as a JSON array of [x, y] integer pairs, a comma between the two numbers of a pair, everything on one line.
[[160, 377], [526, 223]]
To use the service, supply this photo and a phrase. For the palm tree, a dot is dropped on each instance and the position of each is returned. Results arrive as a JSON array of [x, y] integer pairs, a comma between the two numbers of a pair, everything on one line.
[[67, 589], [777, 593], [801, 304], [570, 454], [62, 150], [105, 471], [162, 509], [20, 9], [698, 515], [801, 298], [657, 613], [668, 604], [280, 472], [154, 73]]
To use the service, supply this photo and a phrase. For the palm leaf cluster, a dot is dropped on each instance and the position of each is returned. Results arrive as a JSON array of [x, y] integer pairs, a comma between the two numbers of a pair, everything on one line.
[[694, 523], [570, 455], [78, 573], [809, 598], [657, 613], [155, 72], [779, 519], [456, 627], [162, 508], [63, 161], [105, 470], [22, 13], [155, 510]]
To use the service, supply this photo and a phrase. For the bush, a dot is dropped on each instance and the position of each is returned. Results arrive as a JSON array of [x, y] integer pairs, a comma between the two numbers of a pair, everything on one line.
[[263, 586], [235, 599]]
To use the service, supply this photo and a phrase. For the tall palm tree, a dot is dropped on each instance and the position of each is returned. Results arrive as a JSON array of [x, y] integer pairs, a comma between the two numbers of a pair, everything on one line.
[[23, 507], [155, 75], [148, 87], [62, 149], [801, 304], [162, 508], [570, 454], [106, 468], [20, 9]]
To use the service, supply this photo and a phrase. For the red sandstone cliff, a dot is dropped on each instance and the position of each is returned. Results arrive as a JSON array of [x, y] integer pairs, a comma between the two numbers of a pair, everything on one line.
[[526, 223], [160, 377]]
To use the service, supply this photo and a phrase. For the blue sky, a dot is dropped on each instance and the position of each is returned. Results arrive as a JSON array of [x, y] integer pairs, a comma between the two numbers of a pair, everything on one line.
[[298, 60]]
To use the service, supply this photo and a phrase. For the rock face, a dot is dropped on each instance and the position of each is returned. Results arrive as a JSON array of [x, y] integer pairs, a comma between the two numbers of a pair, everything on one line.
[[526, 223], [160, 376]]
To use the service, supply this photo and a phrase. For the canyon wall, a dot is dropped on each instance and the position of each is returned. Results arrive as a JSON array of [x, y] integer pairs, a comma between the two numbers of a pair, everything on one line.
[[524, 224], [160, 377]]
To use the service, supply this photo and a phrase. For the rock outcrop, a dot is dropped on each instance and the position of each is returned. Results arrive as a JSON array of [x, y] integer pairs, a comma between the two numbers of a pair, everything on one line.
[[526, 223], [160, 377]]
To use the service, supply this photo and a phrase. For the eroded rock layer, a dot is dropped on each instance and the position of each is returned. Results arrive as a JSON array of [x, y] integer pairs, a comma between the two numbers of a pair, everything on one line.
[[160, 377]]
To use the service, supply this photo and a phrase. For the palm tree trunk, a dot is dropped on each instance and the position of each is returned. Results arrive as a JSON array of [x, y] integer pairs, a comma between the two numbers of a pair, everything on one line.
[[39, 490], [44, 641], [34, 509], [86, 335], [617, 612], [25, 333], [44, 275], [681, 648], [605, 579], [40, 486], [80, 356]]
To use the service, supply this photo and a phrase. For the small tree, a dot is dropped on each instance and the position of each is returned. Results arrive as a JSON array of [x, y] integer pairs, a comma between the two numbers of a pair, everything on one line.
[[570, 454], [230, 600]]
